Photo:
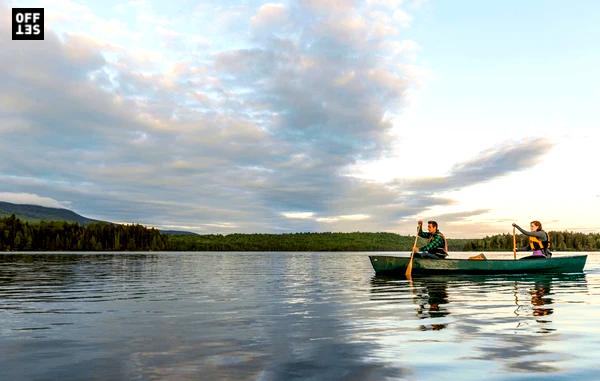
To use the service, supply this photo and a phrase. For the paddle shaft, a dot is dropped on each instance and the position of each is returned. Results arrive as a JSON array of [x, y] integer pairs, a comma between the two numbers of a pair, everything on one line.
[[514, 243], [412, 255]]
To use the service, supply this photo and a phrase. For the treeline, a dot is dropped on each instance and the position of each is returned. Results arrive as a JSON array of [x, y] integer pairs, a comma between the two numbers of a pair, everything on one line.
[[18, 235], [293, 242], [559, 241]]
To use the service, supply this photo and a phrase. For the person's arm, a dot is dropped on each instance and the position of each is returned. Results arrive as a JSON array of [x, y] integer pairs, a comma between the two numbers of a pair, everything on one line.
[[423, 234], [436, 242], [540, 234]]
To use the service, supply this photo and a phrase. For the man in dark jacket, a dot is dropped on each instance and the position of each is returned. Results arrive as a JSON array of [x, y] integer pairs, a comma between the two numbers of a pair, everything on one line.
[[437, 246]]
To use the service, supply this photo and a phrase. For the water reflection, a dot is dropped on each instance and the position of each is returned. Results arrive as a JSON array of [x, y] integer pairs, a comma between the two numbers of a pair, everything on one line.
[[532, 294], [214, 316], [271, 316], [38, 282], [509, 319], [540, 297], [431, 301], [429, 295]]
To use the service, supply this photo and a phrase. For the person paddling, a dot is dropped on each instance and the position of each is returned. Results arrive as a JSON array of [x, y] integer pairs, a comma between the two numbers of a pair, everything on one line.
[[437, 246], [539, 241]]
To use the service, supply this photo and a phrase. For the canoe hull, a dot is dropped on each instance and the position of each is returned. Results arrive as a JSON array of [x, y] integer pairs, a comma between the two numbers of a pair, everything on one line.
[[383, 264]]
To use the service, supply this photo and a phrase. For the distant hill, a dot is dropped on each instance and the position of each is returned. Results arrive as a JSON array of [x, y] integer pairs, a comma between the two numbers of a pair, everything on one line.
[[36, 213]]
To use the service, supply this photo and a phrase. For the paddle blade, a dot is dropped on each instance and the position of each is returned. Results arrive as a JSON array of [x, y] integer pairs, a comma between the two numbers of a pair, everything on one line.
[[408, 272]]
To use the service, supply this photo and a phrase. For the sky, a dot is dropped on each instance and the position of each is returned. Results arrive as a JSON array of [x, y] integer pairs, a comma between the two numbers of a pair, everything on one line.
[[333, 115]]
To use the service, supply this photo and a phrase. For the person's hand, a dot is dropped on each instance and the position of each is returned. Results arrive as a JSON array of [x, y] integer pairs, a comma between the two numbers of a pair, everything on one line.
[[420, 222], [514, 225]]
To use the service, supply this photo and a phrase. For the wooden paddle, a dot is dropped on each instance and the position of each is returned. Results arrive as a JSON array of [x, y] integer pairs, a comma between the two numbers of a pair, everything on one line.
[[514, 244], [412, 255]]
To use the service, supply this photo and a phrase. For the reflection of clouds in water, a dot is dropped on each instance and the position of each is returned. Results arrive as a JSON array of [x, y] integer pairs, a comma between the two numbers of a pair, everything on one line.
[[295, 323], [520, 353], [270, 316], [312, 336], [523, 349], [202, 360]]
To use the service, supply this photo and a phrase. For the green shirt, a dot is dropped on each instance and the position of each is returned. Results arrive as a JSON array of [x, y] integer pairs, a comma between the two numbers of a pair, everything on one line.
[[436, 241]]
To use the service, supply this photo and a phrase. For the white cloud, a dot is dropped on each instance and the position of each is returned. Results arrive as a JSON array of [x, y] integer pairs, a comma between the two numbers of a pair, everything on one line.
[[347, 217], [269, 14], [298, 215], [32, 199]]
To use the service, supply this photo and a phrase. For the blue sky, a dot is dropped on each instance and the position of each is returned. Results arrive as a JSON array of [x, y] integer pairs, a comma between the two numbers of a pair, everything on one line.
[[306, 116], [530, 58]]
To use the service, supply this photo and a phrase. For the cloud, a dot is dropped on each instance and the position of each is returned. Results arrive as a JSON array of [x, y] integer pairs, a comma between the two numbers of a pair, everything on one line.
[[31, 199], [268, 15], [461, 215], [325, 87], [253, 134], [298, 215], [323, 96], [490, 164]]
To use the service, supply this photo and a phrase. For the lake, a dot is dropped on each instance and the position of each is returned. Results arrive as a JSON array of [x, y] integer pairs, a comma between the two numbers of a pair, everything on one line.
[[288, 316]]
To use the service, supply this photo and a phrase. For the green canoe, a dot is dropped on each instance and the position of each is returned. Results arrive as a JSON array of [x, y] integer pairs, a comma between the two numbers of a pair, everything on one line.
[[383, 264]]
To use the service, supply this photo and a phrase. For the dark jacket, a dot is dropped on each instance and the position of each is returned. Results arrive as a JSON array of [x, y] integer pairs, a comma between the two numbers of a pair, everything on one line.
[[437, 243]]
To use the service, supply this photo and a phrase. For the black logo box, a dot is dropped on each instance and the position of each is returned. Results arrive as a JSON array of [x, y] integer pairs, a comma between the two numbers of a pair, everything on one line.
[[28, 23]]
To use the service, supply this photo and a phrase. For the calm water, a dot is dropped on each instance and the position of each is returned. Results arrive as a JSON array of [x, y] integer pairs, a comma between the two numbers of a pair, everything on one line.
[[286, 316]]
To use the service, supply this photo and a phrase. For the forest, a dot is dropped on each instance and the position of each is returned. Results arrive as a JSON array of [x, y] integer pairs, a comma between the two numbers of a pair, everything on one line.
[[18, 235], [293, 242], [559, 241]]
